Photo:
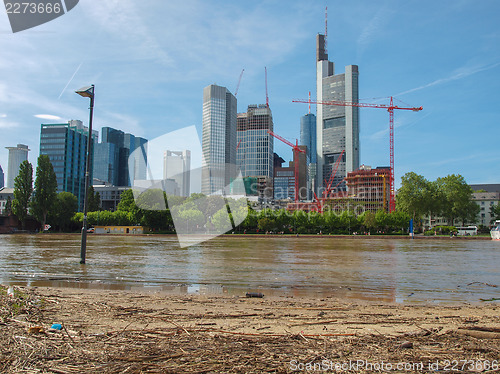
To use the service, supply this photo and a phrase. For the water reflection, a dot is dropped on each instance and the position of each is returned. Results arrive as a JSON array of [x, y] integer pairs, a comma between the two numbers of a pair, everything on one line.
[[390, 270]]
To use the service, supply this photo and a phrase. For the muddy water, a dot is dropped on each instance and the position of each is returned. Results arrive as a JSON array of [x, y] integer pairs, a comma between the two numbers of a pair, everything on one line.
[[377, 269]]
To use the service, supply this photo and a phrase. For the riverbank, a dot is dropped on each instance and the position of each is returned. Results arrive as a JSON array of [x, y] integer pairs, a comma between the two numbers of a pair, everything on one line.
[[120, 331]]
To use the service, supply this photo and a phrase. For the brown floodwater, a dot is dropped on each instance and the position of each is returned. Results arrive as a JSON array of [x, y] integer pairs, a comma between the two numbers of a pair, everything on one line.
[[398, 270]]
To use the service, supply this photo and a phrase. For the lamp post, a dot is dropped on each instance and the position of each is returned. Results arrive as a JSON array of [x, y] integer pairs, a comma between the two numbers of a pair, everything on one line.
[[86, 92]]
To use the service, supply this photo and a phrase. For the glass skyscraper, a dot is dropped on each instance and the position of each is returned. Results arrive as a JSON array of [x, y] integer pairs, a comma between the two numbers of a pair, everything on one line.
[[66, 146], [337, 127], [255, 154], [112, 163], [218, 138], [2, 180], [308, 136]]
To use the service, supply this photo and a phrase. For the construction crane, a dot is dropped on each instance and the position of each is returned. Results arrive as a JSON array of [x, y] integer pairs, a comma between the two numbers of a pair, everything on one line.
[[390, 108], [239, 81], [329, 185], [296, 151]]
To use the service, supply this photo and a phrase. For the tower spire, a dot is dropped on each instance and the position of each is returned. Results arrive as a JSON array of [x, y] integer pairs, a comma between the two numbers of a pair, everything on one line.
[[326, 29]]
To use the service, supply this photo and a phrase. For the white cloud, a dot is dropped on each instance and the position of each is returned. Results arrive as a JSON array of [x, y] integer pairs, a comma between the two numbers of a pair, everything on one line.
[[47, 117]]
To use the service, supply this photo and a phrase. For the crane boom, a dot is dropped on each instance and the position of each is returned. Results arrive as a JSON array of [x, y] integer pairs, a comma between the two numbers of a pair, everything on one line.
[[390, 108], [296, 151]]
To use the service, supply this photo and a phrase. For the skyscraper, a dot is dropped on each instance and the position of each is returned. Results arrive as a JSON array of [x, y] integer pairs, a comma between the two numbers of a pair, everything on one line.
[[255, 154], [112, 163], [218, 138], [16, 156], [337, 127], [308, 138], [2, 179], [176, 166], [66, 146]]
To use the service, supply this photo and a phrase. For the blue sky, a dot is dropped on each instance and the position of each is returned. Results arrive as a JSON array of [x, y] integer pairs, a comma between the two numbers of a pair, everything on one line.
[[151, 59]]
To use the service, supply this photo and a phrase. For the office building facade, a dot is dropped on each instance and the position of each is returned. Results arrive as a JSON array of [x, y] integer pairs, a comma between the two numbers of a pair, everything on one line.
[[337, 127], [255, 153], [17, 155], [308, 138], [112, 162], [177, 166], [66, 146], [218, 139]]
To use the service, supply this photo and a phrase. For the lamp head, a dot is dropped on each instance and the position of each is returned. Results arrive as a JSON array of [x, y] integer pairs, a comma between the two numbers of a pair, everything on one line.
[[86, 91]]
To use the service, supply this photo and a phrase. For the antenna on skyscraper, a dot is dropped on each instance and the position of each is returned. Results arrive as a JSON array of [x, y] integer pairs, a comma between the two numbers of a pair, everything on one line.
[[326, 29], [267, 97]]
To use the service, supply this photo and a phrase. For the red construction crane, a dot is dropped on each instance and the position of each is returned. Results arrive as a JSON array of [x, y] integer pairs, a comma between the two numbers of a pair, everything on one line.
[[239, 81], [390, 108], [296, 151], [329, 187]]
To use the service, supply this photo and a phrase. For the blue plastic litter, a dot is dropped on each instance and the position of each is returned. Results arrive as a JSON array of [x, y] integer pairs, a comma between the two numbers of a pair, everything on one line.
[[56, 326]]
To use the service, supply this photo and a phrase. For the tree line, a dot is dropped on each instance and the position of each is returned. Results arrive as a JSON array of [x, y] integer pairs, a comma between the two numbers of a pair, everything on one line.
[[449, 197]]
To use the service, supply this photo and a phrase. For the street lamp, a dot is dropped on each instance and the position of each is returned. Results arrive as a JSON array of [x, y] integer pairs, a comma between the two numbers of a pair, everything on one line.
[[86, 92]]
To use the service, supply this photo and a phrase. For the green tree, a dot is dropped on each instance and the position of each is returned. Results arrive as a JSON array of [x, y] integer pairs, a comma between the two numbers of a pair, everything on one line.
[[63, 210], [417, 196], [45, 195], [458, 203], [23, 188], [8, 206], [369, 221], [94, 203], [494, 211]]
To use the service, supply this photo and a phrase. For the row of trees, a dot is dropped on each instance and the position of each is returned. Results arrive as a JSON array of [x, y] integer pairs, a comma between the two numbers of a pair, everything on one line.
[[41, 200], [449, 197]]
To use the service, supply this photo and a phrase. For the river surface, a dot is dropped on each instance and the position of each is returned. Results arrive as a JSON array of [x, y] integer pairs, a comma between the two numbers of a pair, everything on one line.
[[398, 270]]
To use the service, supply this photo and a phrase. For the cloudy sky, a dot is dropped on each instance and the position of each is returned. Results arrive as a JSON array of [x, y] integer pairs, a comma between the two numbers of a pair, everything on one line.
[[150, 60]]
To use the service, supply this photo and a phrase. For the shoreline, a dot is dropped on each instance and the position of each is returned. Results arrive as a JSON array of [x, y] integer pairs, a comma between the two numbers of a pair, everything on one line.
[[304, 236], [114, 331]]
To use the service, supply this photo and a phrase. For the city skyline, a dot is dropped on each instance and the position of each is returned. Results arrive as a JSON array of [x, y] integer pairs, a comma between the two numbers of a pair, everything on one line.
[[150, 62]]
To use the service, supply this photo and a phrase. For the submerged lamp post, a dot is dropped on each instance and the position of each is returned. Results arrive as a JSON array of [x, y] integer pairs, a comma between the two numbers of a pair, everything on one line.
[[86, 92]]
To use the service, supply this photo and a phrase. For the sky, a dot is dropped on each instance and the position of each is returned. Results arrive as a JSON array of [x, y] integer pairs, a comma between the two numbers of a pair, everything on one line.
[[150, 60]]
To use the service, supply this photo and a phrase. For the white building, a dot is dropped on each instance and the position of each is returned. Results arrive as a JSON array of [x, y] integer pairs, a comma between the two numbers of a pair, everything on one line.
[[177, 166], [16, 156]]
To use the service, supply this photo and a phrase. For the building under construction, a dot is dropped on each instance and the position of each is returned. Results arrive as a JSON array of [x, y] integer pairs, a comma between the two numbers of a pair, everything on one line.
[[367, 190]]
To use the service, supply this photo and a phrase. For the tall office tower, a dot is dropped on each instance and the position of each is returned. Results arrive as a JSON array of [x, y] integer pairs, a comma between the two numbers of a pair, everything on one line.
[[66, 146], [112, 163], [16, 156], [308, 138], [177, 166], [337, 127], [2, 179], [218, 139], [255, 154]]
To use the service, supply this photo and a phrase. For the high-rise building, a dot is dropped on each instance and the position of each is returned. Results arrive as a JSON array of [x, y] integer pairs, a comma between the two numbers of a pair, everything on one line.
[[66, 146], [255, 154], [284, 178], [2, 179], [112, 163], [218, 139], [176, 166], [337, 127], [308, 138], [16, 156]]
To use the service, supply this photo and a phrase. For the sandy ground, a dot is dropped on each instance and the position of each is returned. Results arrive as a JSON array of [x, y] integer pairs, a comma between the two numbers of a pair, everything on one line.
[[132, 332]]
